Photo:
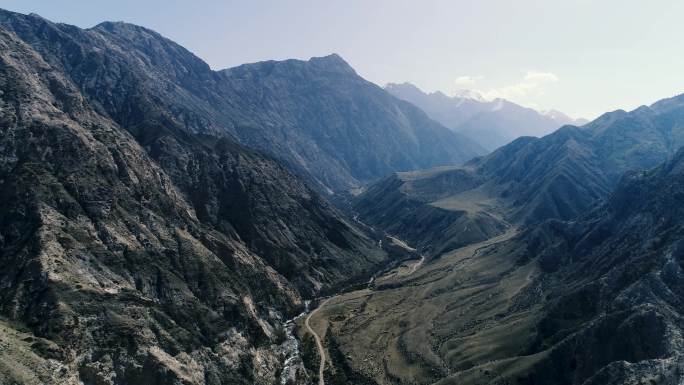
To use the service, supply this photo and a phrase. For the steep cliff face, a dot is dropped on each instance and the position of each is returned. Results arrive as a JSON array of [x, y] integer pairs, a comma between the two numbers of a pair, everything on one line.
[[131, 75], [133, 248]]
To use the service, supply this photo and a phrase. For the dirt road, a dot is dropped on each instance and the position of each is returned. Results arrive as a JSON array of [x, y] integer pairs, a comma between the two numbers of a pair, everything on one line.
[[319, 343]]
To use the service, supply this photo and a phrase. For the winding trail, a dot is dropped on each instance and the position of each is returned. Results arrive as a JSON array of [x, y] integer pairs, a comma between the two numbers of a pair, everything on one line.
[[414, 266], [319, 343], [471, 251]]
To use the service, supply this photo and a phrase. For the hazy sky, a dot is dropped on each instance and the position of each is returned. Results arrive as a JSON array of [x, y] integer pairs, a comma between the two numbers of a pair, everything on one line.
[[579, 56]]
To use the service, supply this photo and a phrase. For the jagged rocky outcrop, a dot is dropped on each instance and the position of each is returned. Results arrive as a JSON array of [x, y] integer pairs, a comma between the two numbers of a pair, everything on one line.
[[138, 242]]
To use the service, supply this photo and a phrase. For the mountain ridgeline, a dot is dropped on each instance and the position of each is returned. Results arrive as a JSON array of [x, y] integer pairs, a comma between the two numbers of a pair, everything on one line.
[[342, 130], [490, 123], [558, 176], [553, 260], [613, 284], [318, 117]]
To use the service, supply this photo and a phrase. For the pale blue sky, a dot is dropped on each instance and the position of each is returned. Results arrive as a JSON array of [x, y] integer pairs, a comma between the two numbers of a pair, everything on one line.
[[579, 56]]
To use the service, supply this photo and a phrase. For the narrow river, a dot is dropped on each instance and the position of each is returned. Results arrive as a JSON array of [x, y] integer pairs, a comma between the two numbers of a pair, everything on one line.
[[293, 365]]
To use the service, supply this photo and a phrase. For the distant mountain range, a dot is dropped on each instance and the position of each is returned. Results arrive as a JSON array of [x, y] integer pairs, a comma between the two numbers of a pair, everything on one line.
[[560, 175], [490, 123]]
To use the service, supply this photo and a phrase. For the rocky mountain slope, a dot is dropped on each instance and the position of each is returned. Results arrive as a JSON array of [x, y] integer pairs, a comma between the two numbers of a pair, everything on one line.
[[403, 205], [492, 124], [595, 300], [613, 285], [560, 175], [143, 241], [325, 119], [138, 243], [318, 117], [527, 181]]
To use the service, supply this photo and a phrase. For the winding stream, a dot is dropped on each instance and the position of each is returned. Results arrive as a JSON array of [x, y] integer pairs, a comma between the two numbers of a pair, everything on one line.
[[293, 365]]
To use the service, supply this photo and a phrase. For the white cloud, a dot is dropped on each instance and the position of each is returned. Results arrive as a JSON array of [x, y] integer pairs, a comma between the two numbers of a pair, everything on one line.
[[527, 91], [532, 86], [541, 77], [467, 81]]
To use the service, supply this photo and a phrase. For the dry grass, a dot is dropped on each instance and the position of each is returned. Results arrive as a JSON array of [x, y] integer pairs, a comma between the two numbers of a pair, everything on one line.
[[19, 363], [451, 319], [473, 201]]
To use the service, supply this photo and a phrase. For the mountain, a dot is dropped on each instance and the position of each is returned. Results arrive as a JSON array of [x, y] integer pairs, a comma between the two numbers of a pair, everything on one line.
[[559, 176], [318, 117], [593, 300], [490, 123], [610, 286], [563, 118], [139, 243], [524, 182], [659, 133], [576, 281], [450, 111], [405, 205], [162, 223], [613, 285], [336, 126]]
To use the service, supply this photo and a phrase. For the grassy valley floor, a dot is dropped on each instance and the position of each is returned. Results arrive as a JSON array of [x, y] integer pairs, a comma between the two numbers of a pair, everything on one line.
[[464, 317]]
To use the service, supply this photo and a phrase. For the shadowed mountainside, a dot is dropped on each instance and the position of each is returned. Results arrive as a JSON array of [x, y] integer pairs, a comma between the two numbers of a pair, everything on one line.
[[137, 247], [338, 127]]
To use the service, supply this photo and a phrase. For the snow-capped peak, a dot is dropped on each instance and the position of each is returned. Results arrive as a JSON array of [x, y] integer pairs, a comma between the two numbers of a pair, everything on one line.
[[468, 94], [563, 118]]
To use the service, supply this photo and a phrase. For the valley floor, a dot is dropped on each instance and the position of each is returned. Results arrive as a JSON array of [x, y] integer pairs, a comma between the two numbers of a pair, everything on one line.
[[449, 319]]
